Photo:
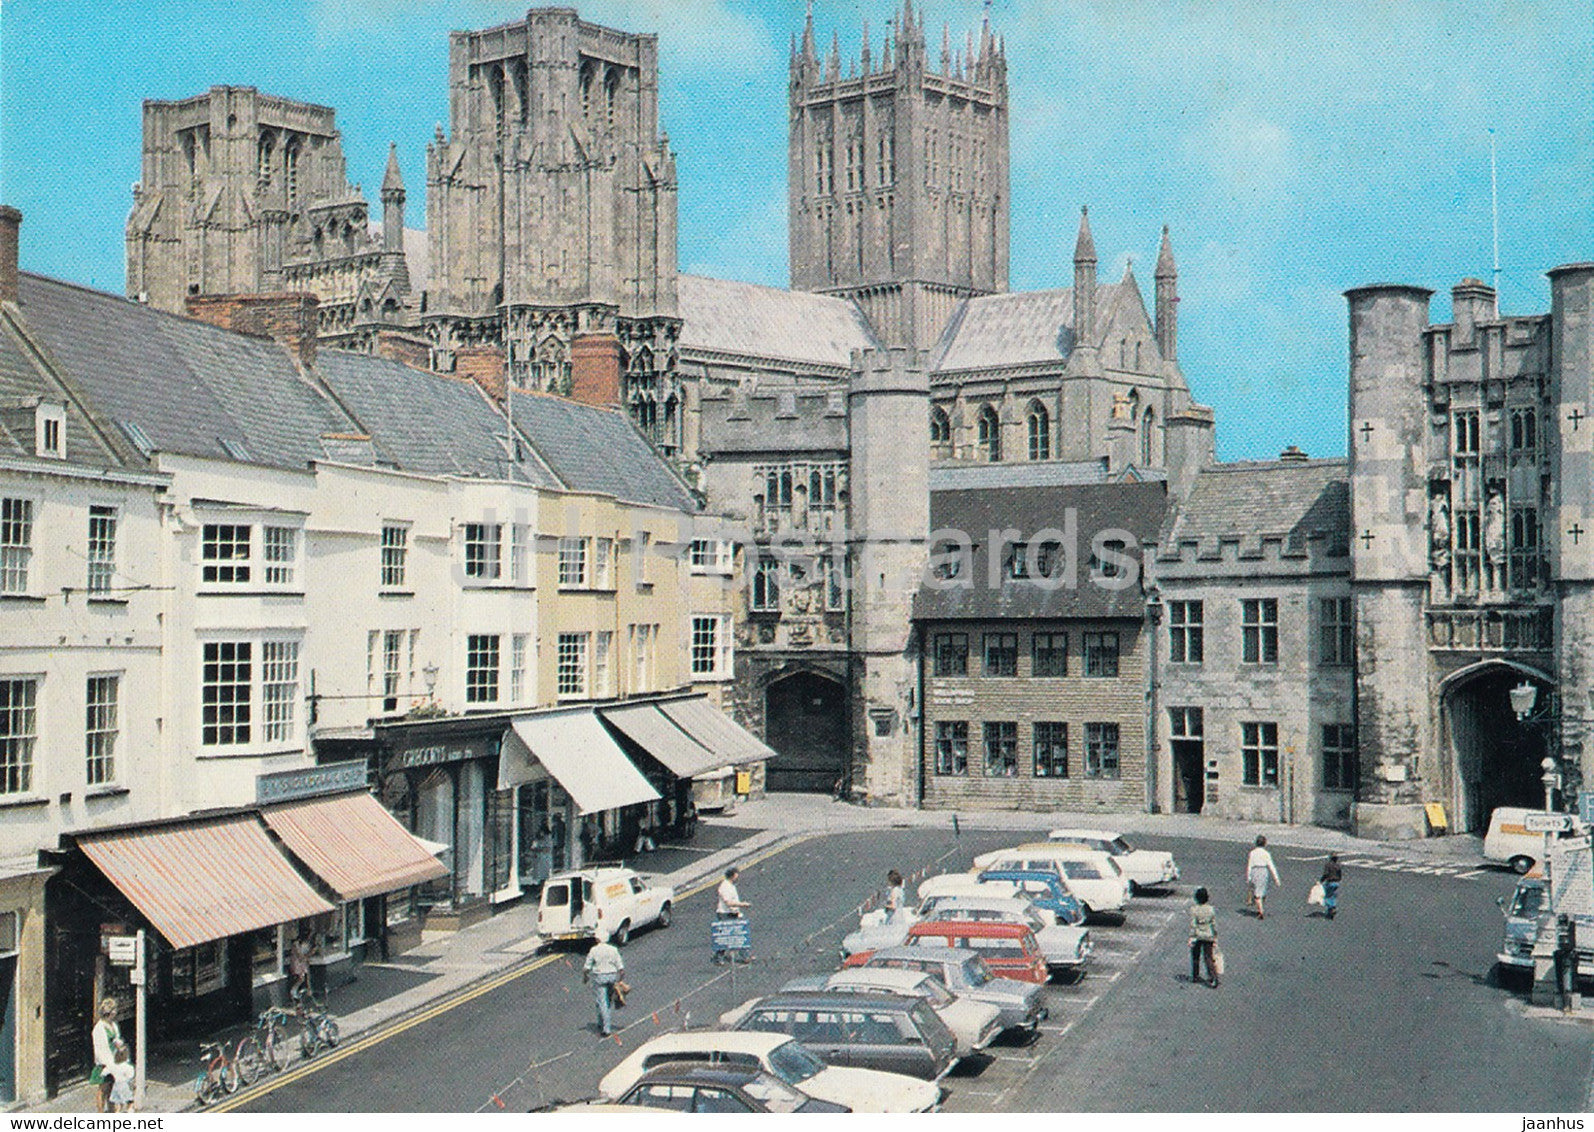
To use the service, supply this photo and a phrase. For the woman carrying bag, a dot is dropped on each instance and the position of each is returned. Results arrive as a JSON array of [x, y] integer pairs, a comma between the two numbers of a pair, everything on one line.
[[1204, 939]]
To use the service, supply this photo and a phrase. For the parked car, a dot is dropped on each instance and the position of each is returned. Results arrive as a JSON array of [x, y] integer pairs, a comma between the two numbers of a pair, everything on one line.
[[974, 1024], [861, 1090], [1043, 887], [1067, 948], [1093, 877], [1523, 913], [1061, 942], [867, 1031], [1145, 868], [690, 1087], [576, 904], [1009, 950], [1022, 1005]]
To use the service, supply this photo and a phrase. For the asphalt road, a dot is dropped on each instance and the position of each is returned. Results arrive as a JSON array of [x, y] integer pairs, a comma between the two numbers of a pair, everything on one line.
[[1387, 1008]]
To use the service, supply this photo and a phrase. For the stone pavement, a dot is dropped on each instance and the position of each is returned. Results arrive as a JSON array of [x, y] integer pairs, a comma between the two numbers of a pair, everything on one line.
[[449, 963]]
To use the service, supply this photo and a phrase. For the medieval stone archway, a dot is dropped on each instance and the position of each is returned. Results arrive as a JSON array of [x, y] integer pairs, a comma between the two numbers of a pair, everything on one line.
[[1494, 760], [806, 722]]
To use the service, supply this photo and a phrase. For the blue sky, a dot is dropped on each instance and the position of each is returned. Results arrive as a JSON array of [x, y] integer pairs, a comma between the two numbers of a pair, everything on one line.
[[1295, 149]]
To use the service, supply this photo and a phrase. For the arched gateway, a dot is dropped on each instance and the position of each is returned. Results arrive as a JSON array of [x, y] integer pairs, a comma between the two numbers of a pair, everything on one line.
[[1494, 759], [805, 718]]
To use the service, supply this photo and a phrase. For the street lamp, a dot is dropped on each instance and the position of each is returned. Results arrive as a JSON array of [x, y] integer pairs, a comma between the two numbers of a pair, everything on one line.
[[430, 672], [1523, 697]]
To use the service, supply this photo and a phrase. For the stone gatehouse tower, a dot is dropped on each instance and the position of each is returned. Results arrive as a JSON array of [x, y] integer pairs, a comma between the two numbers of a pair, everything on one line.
[[898, 177], [1471, 507], [551, 209]]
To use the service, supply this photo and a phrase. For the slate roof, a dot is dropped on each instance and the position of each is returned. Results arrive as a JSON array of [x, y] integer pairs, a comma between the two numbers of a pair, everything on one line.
[[1016, 328], [1137, 508], [186, 385], [766, 322], [598, 450], [1246, 500], [425, 422], [24, 382]]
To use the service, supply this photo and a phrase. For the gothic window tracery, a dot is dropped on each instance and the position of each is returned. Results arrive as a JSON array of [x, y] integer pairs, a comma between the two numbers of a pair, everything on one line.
[[1040, 432], [290, 171], [988, 435], [264, 150]]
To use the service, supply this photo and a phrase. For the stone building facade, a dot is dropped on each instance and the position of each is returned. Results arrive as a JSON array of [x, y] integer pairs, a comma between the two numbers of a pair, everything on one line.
[[246, 192]]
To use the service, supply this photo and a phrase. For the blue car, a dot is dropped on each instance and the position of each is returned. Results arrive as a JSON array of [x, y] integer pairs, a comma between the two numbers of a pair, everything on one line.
[[1044, 890]]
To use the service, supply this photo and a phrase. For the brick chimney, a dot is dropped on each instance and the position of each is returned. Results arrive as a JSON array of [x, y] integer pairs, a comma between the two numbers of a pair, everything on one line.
[[288, 317], [595, 369], [1293, 455], [10, 223], [485, 366]]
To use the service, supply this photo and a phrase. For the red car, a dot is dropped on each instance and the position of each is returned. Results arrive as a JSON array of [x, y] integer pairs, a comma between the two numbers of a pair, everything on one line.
[[1009, 950]]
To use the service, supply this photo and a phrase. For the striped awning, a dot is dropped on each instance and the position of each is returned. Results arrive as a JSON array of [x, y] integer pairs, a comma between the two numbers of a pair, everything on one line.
[[660, 736], [353, 844], [204, 880], [732, 744]]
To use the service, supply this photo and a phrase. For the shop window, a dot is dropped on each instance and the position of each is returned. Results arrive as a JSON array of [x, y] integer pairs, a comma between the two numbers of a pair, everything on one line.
[[1051, 750], [196, 971]]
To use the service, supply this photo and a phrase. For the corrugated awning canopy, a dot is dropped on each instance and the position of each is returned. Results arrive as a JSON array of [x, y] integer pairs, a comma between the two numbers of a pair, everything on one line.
[[731, 743], [661, 737], [580, 754], [353, 844], [205, 880]]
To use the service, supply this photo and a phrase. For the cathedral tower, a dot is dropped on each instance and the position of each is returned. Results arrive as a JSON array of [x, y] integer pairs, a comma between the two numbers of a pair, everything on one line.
[[898, 177], [551, 209]]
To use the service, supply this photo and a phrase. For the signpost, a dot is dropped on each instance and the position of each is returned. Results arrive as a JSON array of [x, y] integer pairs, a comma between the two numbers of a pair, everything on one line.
[[129, 951], [1535, 822]]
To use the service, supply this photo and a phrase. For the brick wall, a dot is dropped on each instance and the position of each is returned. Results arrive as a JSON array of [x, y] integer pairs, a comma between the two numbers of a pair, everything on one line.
[[1074, 699], [288, 317], [484, 365], [595, 369], [409, 349]]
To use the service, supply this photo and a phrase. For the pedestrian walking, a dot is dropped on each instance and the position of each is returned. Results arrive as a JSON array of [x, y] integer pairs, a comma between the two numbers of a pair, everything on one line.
[[105, 1035], [731, 906], [1203, 937], [1332, 872], [1259, 868], [603, 969], [299, 966], [896, 901]]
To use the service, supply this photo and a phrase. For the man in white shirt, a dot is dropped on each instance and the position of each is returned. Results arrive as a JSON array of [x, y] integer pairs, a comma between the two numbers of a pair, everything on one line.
[[730, 907], [603, 969], [1259, 868]]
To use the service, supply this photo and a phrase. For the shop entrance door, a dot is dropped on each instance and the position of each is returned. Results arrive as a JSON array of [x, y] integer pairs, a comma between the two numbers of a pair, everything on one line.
[[8, 1029]]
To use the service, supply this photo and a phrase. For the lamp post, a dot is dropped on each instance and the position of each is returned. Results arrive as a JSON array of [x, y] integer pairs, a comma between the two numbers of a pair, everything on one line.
[[430, 673]]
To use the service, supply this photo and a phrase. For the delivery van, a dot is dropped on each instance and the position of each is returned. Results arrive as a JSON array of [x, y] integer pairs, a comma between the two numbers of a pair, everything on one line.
[[1509, 842]]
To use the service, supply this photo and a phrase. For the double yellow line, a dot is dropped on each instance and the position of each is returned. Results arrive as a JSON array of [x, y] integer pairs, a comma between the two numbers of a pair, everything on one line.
[[444, 1005]]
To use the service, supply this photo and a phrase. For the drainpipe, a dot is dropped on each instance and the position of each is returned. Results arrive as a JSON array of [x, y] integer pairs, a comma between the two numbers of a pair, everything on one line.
[[1153, 620], [919, 705]]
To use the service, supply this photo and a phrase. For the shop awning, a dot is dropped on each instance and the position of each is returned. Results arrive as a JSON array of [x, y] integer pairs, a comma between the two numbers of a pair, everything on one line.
[[204, 880], [580, 754], [661, 737], [731, 743], [353, 844]]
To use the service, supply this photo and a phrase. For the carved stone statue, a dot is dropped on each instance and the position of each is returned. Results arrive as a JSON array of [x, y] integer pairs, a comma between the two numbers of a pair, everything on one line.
[[1494, 541], [1439, 532]]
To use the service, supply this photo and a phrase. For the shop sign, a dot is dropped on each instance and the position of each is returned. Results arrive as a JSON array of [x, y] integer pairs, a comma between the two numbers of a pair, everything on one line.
[[451, 751], [331, 778], [122, 950]]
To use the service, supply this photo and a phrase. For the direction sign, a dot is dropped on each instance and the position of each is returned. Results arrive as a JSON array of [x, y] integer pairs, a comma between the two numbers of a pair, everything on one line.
[[123, 950], [1546, 823]]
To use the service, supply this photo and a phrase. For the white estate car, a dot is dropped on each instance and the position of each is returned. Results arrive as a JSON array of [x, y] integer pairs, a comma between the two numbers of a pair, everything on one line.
[[576, 904], [1145, 868], [877, 930], [1094, 878], [862, 1090]]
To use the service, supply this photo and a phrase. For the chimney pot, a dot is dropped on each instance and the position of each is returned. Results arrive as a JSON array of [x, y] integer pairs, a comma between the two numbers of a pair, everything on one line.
[[1293, 455]]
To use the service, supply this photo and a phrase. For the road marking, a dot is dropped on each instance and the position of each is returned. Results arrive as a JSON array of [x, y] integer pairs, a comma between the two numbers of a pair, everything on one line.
[[426, 1014]]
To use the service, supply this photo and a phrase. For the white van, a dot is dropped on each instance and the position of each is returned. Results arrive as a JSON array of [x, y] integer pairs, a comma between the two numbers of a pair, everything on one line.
[[1508, 840]]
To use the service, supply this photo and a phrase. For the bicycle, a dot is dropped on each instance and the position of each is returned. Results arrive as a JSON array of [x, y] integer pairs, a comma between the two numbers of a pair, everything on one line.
[[218, 1078], [264, 1047], [320, 1028]]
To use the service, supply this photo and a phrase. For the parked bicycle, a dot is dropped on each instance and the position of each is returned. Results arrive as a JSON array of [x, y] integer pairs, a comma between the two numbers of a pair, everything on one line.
[[268, 1045], [320, 1028], [219, 1077]]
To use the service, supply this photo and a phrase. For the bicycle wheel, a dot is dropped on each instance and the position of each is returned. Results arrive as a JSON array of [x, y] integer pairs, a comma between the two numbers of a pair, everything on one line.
[[309, 1044], [248, 1061], [230, 1078], [271, 1049], [329, 1032]]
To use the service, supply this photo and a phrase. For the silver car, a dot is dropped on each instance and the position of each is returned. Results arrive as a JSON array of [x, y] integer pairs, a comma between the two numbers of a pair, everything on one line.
[[1021, 1005]]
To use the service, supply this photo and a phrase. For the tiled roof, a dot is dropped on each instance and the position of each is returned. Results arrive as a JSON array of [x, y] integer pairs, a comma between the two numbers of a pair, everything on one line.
[[742, 318], [1091, 509], [1018, 328], [598, 450], [1245, 500], [424, 422], [190, 387]]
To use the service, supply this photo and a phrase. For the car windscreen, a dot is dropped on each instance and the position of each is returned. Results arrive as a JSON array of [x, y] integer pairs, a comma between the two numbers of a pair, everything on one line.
[[930, 1026], [1528, 901], [556, 896], [794, 1062]]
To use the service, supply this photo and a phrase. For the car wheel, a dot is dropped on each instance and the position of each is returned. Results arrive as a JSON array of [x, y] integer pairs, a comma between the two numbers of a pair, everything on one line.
[[622, 934], [665, 915], [1520, 864]]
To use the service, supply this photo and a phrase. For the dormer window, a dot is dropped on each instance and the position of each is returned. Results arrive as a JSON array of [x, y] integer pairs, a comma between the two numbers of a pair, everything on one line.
[[50, 431]]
